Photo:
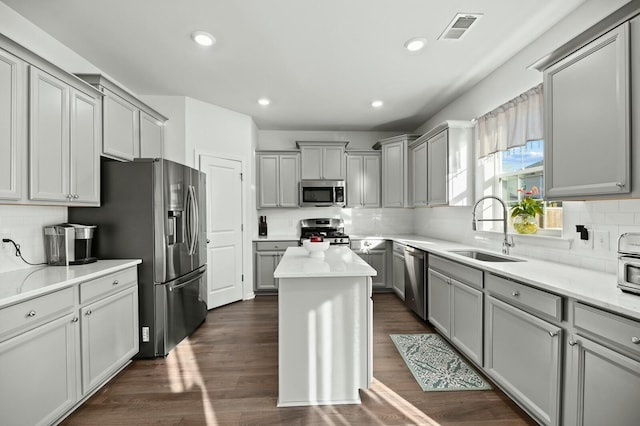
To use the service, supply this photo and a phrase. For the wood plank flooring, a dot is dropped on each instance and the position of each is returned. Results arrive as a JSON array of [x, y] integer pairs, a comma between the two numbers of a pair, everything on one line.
[[227, 374]]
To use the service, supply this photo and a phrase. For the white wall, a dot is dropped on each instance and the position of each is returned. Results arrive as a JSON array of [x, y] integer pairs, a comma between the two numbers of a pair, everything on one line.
[[511, 79]]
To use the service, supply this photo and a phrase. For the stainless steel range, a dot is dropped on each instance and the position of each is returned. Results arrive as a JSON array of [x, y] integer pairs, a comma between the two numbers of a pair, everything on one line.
[[331, 230]]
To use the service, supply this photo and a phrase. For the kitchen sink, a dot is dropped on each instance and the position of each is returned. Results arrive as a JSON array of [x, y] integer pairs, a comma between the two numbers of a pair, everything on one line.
[[484, 256]]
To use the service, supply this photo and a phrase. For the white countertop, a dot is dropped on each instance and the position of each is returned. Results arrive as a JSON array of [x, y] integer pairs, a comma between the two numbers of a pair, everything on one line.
[[27, 283], [338, 261]]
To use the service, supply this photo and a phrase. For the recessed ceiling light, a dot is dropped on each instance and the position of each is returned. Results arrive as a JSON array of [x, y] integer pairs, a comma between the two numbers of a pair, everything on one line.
[[264, 101], [415, 44], [377, 103], [203, 38]]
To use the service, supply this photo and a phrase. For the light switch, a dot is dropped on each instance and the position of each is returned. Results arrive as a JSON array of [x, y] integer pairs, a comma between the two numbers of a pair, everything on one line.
[[601, 240]]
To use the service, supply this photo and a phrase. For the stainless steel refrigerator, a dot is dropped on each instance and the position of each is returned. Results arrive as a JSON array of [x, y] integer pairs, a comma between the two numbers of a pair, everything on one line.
[[154, 210]]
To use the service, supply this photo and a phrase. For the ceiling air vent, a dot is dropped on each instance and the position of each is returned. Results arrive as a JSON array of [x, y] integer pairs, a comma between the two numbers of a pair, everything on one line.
[[459, 26]]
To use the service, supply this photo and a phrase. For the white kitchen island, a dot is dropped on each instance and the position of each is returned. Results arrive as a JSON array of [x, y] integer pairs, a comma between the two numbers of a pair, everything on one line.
[[325, 327]]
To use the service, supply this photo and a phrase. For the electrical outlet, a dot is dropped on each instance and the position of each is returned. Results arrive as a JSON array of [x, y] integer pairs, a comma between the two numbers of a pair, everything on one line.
[[2, 237], [145, 334], [601, 240], [588, 244]]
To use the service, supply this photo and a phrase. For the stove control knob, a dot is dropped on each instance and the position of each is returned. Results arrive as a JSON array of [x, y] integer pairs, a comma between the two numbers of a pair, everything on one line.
[[341, 240]]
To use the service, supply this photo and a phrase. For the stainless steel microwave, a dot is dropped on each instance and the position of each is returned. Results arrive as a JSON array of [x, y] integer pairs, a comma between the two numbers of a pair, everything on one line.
[[322, 193]]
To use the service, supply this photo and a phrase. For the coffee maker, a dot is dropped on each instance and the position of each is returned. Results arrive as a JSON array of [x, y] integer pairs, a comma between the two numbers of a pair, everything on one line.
[[69, 244]]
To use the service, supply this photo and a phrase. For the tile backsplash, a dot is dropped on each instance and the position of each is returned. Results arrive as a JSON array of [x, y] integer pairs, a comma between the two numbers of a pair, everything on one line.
[[24, 225]]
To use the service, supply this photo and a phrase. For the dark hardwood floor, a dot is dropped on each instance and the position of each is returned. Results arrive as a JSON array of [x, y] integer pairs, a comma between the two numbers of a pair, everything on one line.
[[227, 374]]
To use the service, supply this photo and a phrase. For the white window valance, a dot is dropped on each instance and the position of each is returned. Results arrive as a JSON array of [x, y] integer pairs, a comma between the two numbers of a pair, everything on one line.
[[513, 124]]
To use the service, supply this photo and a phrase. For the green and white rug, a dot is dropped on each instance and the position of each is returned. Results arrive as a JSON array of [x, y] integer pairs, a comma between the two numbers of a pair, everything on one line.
[[435, 365]]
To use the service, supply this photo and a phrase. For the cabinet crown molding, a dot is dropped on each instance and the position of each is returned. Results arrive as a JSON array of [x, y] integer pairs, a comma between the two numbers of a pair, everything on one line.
[[323, 143]]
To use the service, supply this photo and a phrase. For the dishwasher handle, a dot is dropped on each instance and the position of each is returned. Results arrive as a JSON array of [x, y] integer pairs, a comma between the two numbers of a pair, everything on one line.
[[410, 251]]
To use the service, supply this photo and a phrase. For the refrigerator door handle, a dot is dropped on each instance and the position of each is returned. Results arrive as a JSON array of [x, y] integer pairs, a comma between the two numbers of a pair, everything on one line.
[[189, 220], [196, 220], [184, 284]]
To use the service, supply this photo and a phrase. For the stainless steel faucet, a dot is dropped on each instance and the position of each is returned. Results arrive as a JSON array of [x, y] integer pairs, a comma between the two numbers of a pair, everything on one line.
[[474, 225]]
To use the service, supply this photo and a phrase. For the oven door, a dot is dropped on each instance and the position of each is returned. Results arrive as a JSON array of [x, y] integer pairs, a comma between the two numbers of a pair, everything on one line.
[[629, 272]]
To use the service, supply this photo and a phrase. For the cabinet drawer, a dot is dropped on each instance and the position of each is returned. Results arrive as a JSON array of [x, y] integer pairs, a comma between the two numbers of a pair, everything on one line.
[[275, 245], [457, 271], [398, 248], [108, 284], [528, 297], [619, 330], [35, 311]]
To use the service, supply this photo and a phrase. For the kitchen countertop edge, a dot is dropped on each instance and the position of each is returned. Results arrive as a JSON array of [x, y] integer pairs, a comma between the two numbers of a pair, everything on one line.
[[43, 280]]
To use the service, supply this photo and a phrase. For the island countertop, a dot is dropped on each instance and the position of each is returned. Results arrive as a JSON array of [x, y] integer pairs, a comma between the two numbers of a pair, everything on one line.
[[338, 261]]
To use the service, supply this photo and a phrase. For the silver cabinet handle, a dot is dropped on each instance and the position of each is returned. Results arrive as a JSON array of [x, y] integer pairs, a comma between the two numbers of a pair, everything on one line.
[[31, 314], [75, 319], [76, 196], [573, 342], [515, 293], [635, 340], [88, 312], [70, 196], [620, 184], [116, 282], [553, 333]]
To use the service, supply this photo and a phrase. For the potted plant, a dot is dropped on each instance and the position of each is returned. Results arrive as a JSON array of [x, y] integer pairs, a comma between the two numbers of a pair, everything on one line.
[[525, 211]]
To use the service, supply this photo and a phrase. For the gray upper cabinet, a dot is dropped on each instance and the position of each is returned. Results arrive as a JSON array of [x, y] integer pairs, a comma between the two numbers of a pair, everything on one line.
[[449, 165], [121, 128], [131, 129], [12, 122], [395, 157], [151, 136], [278, 176], [588, 148], [363, 179], [418, 173], [322, 160], [64, 135]]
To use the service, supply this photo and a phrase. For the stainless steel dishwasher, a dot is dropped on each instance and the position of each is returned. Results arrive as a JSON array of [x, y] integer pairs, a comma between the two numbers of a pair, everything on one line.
[[415, 294]]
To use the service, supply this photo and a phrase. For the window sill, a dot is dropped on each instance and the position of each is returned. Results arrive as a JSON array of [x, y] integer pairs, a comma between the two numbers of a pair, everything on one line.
[[537, 239]]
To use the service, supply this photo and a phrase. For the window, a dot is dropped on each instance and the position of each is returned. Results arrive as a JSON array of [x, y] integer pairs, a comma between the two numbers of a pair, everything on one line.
[[518, 174]]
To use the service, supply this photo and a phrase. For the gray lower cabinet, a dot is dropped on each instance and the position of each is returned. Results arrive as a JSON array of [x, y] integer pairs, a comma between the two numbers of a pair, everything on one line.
[[523, 356], [267, 256], [455, 307], [398, 270], [603, 385], [59, 348], [375, 257], [40, 369], [109, 336]]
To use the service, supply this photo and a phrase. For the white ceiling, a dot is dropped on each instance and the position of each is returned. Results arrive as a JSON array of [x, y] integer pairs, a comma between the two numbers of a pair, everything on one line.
[[321, 62]]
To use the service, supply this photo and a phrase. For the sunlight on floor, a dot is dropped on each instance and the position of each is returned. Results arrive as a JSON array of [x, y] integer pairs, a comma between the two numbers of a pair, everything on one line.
[[382, 394], [184, 374]]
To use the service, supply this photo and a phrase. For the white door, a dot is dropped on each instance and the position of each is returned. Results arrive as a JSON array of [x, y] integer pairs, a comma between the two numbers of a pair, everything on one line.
[[224, 229]]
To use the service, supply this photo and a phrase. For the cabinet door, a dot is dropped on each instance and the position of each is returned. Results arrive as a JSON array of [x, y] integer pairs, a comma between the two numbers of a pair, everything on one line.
[[606, 386], [437, 169], [289, 178], [311, 157], [121, 132], [39, 373], [371, 181], [376, 259], [151, 136], [419, 175], [522, 354], [398, 274], [12, 102], [587, 148], [268, 176], [84, 148], [439, 301], [48, 138], [333, 163], [355, 173], [466, 320], [109, 329], [393, 175], [266, 263]]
